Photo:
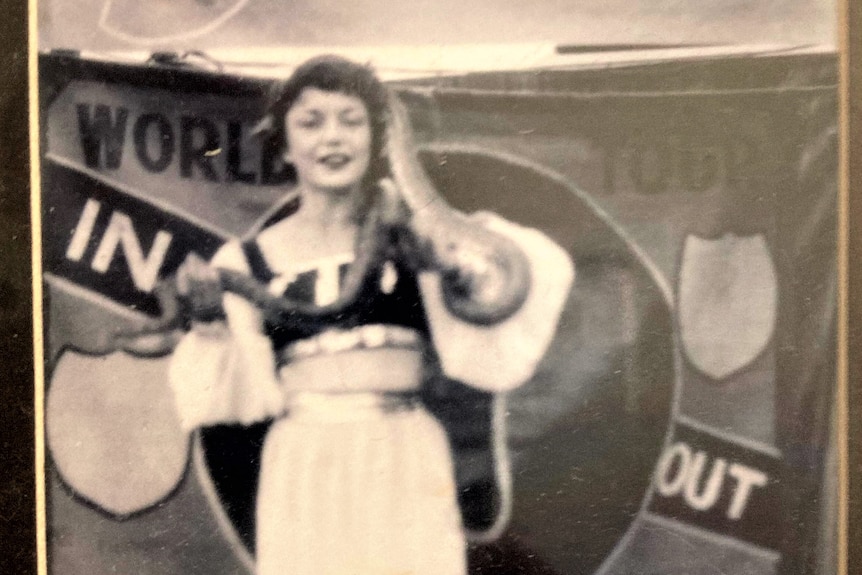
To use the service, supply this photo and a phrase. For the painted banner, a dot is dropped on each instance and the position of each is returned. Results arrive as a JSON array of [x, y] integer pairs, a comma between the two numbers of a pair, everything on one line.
[[680, 421]]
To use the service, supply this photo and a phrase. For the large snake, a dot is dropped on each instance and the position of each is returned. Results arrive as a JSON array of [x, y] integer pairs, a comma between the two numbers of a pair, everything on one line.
[[486, 277]]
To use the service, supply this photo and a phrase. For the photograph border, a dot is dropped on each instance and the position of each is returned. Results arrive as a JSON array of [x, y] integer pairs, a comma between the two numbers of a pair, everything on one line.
[[848, 405]]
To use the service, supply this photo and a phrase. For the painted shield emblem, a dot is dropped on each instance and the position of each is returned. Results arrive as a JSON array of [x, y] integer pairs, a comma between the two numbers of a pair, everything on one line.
[[113, 431], [728, 294], [159, 21]]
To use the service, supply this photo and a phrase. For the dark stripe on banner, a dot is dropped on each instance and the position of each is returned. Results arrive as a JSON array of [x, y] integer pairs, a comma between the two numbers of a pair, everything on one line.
[[719, 486], [102, 239]]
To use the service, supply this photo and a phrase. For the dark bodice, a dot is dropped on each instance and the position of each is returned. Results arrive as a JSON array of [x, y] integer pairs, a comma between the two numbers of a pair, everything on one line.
[[389, 295]]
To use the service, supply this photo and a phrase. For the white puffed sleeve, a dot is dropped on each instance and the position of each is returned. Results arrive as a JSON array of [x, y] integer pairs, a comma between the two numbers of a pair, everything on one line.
[[501, 357], [226, 372]]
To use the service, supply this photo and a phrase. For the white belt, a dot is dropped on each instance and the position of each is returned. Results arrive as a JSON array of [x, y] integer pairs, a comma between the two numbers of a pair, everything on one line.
[[371, 336], [348, 406]]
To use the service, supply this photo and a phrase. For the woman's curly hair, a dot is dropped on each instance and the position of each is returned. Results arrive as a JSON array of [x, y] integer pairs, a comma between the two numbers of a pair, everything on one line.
[[333, 74]]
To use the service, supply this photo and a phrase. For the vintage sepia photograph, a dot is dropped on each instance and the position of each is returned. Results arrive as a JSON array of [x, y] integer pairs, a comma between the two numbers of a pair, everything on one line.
[[439, 288]]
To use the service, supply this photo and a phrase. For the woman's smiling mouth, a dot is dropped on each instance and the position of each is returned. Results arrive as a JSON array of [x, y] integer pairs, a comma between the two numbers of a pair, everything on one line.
[[335, 161]]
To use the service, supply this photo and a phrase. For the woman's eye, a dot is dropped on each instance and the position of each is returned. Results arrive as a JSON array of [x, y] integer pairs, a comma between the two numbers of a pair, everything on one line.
[[353, 120], [308, 122]]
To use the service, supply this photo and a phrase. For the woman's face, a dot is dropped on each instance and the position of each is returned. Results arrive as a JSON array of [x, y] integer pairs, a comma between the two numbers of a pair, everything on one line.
[[328, 140]]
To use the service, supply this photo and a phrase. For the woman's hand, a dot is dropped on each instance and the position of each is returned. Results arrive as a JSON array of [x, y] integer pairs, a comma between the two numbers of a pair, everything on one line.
[[191, 295], [199, 283]]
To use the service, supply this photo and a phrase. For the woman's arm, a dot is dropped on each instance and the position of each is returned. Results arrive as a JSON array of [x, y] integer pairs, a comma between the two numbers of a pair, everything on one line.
[[223, 370], [493, 291]]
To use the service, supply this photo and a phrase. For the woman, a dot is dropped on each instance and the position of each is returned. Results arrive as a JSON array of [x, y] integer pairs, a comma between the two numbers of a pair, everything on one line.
[[356, 476]]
